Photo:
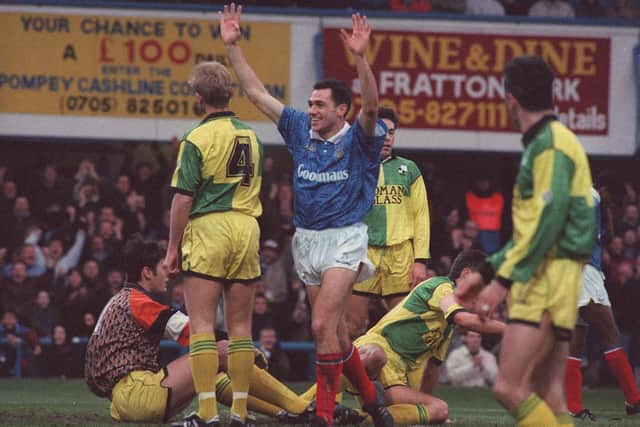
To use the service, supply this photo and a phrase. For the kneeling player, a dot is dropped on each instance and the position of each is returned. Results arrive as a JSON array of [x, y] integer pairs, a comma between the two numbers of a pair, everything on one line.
[[418, 332], [122, 355]]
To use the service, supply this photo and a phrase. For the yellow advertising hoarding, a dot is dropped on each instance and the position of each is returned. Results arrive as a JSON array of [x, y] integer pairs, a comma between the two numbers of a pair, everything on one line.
[[125, 66]]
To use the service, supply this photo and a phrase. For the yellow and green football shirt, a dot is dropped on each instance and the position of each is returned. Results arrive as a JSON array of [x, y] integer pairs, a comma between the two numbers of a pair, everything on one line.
[[417, 328], [220, 165], [400, 209], [552, 211]]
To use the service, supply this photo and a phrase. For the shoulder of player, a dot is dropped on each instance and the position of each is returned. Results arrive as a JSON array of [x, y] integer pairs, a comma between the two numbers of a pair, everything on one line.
[[404, 166], [432, 284], [210, 132]]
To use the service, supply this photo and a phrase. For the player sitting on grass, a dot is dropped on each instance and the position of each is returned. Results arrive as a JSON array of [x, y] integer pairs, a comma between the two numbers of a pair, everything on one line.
[[123, 351], [417, 332]]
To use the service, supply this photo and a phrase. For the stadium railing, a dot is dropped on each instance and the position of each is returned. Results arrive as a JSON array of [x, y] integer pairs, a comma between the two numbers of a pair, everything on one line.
[[287, 346]]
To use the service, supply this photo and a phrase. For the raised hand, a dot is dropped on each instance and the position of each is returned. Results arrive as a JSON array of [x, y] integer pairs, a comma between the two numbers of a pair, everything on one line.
[[358, 41], [230, 23]]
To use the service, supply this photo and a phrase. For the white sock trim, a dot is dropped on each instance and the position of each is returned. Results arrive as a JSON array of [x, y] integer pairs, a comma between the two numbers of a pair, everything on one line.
[[240, 395], [207, 395]]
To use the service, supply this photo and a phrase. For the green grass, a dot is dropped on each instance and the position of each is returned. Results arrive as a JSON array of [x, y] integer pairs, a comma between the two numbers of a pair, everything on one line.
[[69, 403]]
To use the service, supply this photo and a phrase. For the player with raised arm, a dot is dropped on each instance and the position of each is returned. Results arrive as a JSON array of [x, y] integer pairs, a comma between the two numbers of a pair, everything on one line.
[[214, 238], [541, 266], [336, 170]]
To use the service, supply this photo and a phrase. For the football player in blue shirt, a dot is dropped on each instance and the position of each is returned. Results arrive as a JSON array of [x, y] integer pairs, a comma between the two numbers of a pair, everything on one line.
[[335, 175]]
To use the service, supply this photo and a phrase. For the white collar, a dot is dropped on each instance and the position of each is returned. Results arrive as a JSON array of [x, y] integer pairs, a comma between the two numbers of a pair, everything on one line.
[[335, 138]]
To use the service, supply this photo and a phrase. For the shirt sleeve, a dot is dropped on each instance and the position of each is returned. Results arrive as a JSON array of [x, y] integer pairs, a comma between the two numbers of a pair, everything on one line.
[[370, 145], [421, 227], [177, 328], [151, 315], [291, 122], [441, 292], [187, 175], [540, 209]]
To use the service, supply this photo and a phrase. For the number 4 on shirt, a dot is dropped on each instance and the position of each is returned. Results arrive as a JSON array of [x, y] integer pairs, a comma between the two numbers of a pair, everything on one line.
[[240, 163]]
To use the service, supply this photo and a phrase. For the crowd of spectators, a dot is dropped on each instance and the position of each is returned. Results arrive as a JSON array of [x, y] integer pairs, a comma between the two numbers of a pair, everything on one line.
[[62, 229], [613, 9]]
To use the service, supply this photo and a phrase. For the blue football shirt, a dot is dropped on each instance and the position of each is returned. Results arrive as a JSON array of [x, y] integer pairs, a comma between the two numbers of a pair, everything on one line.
[[334, 181]]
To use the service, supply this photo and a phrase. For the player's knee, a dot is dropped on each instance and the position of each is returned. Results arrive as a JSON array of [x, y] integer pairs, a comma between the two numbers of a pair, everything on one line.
[[356, 326], [501, 390], [438, 411], [373, 358], [320, 328]]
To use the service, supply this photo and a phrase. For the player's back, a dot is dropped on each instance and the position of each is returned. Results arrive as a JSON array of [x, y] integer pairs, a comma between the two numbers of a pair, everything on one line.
[[220, 165]]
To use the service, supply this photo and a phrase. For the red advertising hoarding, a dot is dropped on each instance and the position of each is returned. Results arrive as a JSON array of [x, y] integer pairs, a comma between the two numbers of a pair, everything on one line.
[[438, 80]]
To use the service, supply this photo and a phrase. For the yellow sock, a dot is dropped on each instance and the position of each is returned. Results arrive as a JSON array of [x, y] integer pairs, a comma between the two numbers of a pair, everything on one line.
[[564, 420], [267, 388], [203, 357], [309, 394], [240, 355], [409, 414], [225, 396], [533, 412]]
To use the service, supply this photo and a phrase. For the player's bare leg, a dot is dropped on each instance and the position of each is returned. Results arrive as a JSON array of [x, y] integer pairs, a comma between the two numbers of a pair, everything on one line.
[[524, 347], [238, 301], [357, 313], [548, 378], [180, 381], [392, 301]]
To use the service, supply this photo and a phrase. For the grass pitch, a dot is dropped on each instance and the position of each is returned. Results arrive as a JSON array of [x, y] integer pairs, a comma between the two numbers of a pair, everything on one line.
[[69, 403]]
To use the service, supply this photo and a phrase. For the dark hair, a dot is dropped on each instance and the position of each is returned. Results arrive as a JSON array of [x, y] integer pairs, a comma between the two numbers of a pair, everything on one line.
[[474, 260], [340, 92], [139, 253], [389, 114], [530, 80]]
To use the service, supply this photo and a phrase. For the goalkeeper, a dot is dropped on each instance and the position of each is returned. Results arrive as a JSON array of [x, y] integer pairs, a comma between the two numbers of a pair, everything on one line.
[[121, 362]]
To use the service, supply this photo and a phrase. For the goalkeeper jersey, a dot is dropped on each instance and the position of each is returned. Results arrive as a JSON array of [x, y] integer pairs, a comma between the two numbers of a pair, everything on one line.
[[417, 327], [553, 209], [400, 208], [127, 337]]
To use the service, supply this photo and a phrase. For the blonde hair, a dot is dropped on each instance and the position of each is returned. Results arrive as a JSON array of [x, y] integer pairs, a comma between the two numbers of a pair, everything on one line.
[[213, 82]]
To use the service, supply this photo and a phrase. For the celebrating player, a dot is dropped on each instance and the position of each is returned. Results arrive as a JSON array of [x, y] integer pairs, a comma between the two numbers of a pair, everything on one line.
[[336, 169], [541, 267]]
